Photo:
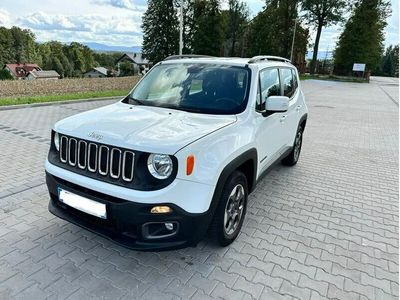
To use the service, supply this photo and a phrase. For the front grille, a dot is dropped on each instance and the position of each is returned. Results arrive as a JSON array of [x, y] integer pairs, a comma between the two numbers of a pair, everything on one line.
[[99, 159]]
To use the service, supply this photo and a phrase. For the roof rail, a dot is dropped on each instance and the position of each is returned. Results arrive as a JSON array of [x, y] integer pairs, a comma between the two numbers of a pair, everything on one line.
[[186, 56], [259, 58]]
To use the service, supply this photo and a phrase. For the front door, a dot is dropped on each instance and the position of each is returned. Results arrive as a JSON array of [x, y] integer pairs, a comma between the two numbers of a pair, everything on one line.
[[270, 138]]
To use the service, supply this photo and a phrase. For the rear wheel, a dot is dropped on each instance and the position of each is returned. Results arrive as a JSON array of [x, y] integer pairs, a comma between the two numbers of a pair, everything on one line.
[[231, 209], [294, 155]]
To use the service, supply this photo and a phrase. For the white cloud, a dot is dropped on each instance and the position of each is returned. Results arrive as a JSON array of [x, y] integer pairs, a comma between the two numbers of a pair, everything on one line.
[[5, 18], [138, 5], [89, 23], [93, 28]]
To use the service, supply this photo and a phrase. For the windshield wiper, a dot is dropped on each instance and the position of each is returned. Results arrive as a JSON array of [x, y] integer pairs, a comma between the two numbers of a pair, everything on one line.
[[190, 109], [136, 101]]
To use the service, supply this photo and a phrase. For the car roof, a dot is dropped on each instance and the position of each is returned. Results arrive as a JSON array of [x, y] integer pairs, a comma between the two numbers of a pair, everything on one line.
[[231, 61]]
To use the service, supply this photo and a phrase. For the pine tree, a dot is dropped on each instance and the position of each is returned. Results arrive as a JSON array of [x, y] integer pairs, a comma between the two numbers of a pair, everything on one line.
[[160, 30], [188, 24], [208, 29], [390, 62], [363, 36]]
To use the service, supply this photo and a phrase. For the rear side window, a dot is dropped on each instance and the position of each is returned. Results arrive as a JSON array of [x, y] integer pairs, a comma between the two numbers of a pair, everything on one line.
[[270, 85], [296, 84], [289, 82]]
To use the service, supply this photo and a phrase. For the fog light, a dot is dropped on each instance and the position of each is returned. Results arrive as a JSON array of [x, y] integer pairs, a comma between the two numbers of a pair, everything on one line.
[[161, 210], [169, 226]]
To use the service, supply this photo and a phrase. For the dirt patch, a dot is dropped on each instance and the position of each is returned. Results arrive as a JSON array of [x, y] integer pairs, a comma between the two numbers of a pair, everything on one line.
[[16, 88]]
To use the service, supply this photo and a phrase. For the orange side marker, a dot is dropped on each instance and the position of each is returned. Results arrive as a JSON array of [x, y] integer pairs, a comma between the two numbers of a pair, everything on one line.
[[189, 164]]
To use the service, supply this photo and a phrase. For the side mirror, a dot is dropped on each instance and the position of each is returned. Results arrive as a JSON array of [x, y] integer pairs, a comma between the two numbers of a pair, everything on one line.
[[277, 104]]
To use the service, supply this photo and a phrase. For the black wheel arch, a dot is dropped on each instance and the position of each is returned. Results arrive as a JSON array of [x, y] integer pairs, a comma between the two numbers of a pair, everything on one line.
[[303, 121], [246, 163]]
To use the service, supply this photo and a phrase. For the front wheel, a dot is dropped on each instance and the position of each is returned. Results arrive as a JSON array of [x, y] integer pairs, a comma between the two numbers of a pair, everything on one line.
[[294, 155], [231, 209]]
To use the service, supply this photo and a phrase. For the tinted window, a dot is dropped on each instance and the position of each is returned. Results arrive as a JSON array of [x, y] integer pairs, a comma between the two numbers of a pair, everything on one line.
[[296, 84], [203, 88], [288, 83], [270, 86]]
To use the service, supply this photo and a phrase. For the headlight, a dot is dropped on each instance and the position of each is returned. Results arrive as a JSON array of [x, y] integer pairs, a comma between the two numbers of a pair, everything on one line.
[[160, 165], [57, 141]]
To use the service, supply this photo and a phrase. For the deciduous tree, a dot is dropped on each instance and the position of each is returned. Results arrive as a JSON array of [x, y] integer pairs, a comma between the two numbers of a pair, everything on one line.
[[320, 14], [271, 30]]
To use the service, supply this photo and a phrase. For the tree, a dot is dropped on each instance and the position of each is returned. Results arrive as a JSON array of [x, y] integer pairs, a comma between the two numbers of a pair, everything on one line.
[[320, 14], [57, 66], [236, 20], [271, 31], [208, 30], [160, 30], [5, 75], [390, 62], [6, 47], [188, 23], [363, 36]]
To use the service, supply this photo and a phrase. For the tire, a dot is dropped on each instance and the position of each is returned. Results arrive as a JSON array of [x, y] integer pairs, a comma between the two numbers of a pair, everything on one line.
[[230, 207], [294, 155]]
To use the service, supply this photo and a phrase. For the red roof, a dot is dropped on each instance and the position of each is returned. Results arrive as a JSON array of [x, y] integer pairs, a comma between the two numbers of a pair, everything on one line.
[[22, 70]]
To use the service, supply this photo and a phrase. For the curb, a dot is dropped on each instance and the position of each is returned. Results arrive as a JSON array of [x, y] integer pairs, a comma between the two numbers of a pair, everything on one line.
[[63, 102]]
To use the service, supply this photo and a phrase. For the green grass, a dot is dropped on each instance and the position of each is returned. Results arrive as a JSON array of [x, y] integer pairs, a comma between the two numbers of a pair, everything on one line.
[[63, 97], [333, 78]]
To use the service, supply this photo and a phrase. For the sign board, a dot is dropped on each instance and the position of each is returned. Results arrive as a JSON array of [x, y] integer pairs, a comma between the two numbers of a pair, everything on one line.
[[358, 67]]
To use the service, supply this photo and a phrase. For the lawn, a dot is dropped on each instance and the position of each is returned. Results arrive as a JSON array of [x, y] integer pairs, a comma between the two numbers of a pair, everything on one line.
[[63, 97], [333, 78]]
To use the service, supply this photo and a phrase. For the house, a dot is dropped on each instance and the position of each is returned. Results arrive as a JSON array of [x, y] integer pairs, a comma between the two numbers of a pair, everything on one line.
[[20, 71], [98, 72], [136, 63], [44, 75]]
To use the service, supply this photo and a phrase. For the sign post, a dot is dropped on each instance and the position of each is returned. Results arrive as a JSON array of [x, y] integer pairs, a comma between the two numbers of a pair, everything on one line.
[[357, 67]]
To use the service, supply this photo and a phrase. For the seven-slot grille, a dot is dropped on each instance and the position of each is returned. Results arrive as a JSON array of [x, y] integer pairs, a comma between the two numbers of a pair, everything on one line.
[[101, 159]]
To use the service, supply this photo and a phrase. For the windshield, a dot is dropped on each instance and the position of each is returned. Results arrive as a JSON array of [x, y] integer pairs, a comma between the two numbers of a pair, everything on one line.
[[202, 88]]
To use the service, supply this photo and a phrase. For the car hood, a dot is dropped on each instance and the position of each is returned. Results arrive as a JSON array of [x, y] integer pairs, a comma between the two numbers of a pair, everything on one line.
[[142, 128]]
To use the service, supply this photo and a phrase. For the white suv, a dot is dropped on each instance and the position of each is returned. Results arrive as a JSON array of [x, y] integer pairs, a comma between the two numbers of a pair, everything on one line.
[[178, 157]]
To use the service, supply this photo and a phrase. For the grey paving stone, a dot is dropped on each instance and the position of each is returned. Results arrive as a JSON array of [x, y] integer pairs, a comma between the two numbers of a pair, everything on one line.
[[225, 277], [325, 228]]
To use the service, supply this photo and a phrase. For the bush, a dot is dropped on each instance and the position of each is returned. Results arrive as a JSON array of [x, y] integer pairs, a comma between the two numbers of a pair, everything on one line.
[[5, 75]]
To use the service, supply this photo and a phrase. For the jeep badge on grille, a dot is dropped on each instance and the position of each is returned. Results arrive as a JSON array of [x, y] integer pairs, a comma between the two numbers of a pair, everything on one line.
[[96, 136]]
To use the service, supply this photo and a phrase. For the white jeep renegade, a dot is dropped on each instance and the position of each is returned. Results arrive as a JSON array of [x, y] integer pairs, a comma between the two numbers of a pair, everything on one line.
[[178, 157]]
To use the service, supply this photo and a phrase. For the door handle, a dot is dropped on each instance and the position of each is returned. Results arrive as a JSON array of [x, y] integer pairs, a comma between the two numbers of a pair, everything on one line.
[[282, 119], [298, 108]]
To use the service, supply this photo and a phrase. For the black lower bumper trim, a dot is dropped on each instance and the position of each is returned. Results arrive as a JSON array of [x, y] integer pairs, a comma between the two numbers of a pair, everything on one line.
[[125, 219]]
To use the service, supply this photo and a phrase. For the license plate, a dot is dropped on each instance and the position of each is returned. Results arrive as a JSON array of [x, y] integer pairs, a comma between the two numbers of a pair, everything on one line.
[[86, 205]]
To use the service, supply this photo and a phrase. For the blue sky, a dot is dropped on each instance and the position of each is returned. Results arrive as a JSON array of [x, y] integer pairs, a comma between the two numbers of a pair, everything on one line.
[[117, 22]]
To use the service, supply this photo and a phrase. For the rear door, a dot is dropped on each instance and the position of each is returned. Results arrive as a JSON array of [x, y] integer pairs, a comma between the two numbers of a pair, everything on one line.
[[290, 120]]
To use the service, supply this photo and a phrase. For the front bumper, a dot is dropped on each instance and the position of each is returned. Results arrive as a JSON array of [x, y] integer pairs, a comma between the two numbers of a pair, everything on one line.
[[128, 222]]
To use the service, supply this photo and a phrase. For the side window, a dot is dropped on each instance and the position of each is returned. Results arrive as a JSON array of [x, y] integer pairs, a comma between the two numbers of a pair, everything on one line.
[[288, 82], [296, 84], [270, 86]]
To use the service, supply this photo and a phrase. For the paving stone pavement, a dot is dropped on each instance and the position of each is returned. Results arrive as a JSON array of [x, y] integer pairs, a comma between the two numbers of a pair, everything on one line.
[[327, 228]]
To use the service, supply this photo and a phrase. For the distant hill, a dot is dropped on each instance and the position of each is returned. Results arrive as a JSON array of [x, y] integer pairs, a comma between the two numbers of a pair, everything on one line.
[[107, 48]]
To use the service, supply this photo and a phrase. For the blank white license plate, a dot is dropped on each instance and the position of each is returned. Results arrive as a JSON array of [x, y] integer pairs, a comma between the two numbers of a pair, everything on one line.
[[86, 205]]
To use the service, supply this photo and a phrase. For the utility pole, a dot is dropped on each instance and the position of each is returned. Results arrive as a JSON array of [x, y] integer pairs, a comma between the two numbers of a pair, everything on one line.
[[294, 35], [181, 28]]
